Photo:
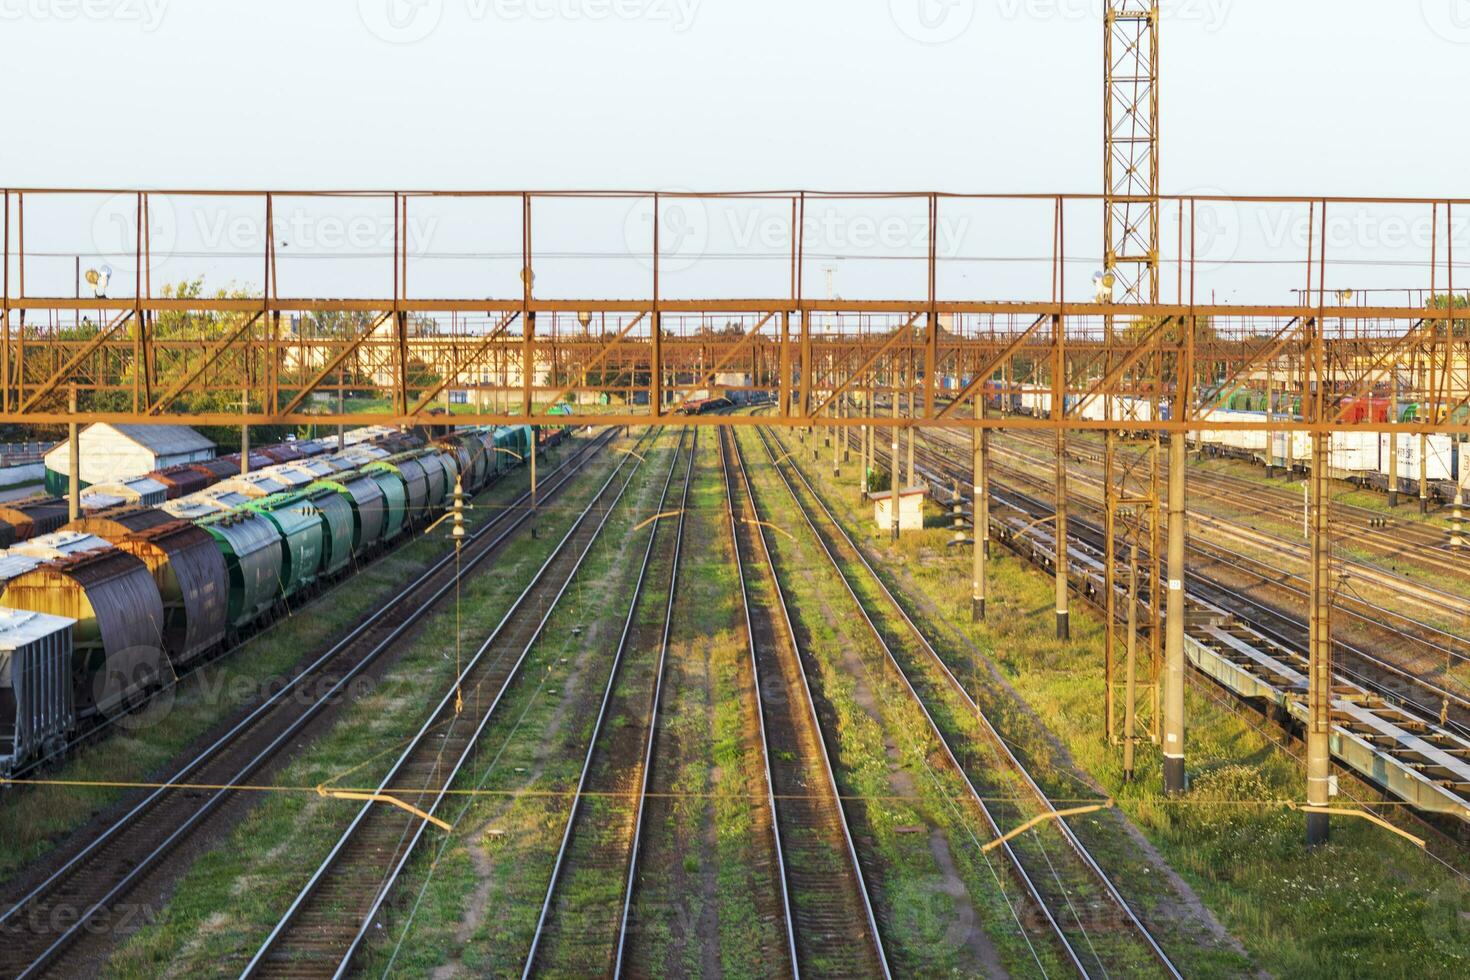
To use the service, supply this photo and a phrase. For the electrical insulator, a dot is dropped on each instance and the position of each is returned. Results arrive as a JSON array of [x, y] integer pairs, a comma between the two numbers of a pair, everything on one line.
[[458, 509]]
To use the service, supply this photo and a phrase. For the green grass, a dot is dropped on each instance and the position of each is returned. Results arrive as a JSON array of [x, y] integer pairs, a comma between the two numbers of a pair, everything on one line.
[[707, 757], [531, 755], [36, 818], [229, 899], [1368, 904], [888, 759]]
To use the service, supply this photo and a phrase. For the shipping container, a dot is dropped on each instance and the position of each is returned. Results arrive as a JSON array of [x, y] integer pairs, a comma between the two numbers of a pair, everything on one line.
[[252, 550], [415, 483], [440, 471], [287, 476], [117, 642], [121, 521], [302, 537], [192, 580], [140, 490], [256, 485], [395, 500], [281, 452], [337, 527], [37, 711], [215, 470], [369, 508], [178, 481], [34, 517]]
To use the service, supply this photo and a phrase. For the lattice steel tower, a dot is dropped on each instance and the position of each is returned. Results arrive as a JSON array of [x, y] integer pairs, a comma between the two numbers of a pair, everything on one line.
[[1132, 466], [1131, 148]]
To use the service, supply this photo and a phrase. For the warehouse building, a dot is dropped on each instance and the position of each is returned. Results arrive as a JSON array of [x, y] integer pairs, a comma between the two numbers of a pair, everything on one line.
[[115, 453]]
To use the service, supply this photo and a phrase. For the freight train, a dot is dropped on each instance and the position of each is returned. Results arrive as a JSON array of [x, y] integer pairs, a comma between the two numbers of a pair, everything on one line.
[[98, 613], [1362, 458]]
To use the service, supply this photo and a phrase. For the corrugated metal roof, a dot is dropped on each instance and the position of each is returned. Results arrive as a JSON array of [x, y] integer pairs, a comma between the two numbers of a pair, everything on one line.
[[165, 440], [19, 627], [59, 544], [14, 566]]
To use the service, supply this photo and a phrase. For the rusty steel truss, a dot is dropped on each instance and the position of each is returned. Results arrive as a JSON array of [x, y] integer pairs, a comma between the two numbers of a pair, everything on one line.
[[139, 352]]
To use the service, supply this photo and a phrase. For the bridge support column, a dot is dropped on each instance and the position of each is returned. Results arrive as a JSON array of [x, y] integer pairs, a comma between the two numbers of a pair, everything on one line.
[[1174, 778], [979, 514], [1064, 624], [893, 469], [73, 459], [1319, 664]]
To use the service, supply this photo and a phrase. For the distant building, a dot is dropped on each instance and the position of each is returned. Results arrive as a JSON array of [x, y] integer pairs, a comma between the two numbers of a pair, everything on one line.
[[115, 452]]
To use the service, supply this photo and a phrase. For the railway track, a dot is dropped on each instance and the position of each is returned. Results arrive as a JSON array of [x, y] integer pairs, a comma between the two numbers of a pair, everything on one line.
[[93, 883], [1408, 540], [322, 930], [1392, 653], [1091, 923], [1383, 737], [579, 932], [1417, 650], [830, 926]]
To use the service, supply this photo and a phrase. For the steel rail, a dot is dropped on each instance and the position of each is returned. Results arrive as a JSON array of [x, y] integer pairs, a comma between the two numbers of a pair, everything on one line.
[[98, 729], [1224, 556], [534, 963], [732, 446], [1221, 555], [1418, 592], [494, 534], [1069, 836], [265, 956], [658, 686], [760, 715]]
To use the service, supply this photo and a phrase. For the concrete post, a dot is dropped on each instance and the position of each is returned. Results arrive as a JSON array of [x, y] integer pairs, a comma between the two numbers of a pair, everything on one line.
[[980, 514], [1064, 625], [1319, 663], [1174, 779], [73, 459], [893, 470], [1423, 473], [1393, 443], [244, 436], [1130, 718]]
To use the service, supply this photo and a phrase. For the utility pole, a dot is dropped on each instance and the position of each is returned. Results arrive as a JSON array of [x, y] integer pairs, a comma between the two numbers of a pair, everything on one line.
[[979, 512], [244, 434], [893, 470], [1319, 662], [73, 458]]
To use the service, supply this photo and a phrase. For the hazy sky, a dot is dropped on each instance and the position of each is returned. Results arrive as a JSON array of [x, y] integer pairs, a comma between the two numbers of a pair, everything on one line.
[[1258, 96]]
